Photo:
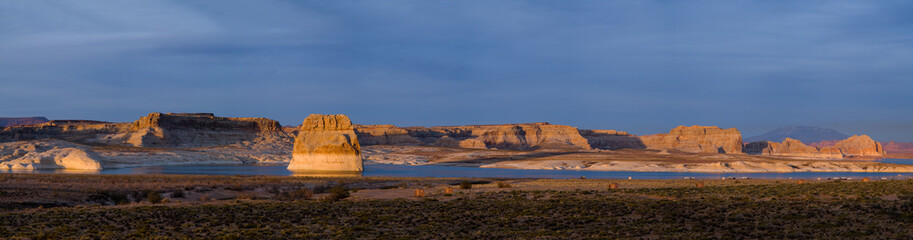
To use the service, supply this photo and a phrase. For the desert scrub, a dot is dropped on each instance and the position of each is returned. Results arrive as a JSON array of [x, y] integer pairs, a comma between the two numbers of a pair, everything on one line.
[[498, 215], [154, 197], [465, 185], [502, 184], [337, 193]]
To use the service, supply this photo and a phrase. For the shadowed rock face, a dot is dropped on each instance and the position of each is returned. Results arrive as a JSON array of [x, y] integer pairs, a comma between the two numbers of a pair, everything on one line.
[[197, 130], [326, 143], [698, 139], [526, 136], [9, 122], [62, 129], [612, 139]]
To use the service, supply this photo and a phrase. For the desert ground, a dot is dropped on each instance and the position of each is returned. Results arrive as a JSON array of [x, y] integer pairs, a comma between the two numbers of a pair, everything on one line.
[[55, 206]]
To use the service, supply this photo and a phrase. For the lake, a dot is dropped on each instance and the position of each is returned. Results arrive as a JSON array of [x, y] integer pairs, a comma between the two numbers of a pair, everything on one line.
[[388, 170]]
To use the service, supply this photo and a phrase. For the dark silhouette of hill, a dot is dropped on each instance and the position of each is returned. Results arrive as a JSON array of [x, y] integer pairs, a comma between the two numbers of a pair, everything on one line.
[[9, 122], [805, 134]]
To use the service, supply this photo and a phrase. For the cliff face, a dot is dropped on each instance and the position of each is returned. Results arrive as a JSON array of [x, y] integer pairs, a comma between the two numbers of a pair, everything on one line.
[[527, 136], [326, 143], [384, 135], [699, 139], [611, 139], [850, 147], [62, 129], [9, 122], [198, 130], [857, 146]]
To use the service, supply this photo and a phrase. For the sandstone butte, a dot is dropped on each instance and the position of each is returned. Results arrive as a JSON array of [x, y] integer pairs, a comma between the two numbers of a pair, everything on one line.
[[524, 136], [699, 139], [326, 143], [855, 146]]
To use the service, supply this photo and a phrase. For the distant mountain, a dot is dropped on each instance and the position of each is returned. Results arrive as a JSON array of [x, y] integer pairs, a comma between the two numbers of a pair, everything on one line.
[[9, 122], [805, 134]]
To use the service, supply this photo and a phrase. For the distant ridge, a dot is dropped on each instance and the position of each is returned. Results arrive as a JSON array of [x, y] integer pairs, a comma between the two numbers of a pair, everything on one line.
[[805, 134], [9, 122]]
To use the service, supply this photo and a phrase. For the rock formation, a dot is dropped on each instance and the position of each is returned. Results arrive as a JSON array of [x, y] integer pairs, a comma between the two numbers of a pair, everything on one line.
[[384, 135], [47, 154], [527, 136], [197, 130], [851, 147], [10, 122], [472, 144], [861, 145], [699, 139], [326, 143], [611, 139]]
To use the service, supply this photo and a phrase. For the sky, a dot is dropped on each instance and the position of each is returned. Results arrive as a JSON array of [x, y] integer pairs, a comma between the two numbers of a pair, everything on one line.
[[638, 66]]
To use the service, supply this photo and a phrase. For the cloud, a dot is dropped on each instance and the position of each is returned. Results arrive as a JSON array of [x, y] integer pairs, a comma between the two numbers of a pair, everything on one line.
[[642, 66]]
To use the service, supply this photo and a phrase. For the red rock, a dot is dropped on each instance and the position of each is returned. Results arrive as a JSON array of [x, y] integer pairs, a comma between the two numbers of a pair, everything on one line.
[[697, 139]]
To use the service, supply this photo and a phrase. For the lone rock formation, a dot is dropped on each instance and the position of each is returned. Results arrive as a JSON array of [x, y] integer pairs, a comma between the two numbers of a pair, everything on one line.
[[326, 143]]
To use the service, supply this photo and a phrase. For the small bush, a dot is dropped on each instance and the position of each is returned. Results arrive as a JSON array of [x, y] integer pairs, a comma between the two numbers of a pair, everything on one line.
[[177, 194], [503, 185], [465, 185], [338, 193], [301, 194], [154, 197]]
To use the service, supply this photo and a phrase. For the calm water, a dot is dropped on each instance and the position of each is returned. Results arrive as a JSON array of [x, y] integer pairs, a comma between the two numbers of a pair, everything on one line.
[[385, 170]]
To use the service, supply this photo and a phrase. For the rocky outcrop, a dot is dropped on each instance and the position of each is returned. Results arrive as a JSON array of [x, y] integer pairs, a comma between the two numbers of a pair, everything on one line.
[[47, 154], [612, 139], [855, 146], [184, 130], [527, 136], [326, 143], [74, 130], [9, 122], [472, 144], [698, 139], [384, 135], [861, 145]]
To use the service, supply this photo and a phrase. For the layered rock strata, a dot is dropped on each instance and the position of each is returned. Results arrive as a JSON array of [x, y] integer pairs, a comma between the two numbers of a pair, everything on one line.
[[527, 136], [326, 143], [855, 146], [698, 139]]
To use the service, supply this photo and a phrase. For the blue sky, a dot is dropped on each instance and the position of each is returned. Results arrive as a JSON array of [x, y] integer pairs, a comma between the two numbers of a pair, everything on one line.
[[640, 66]]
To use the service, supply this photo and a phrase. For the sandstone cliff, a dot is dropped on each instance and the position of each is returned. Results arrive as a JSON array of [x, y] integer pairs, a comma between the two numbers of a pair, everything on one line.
[[74, 130], [527, 136], [326, 143], [854, 146], [861, 145], [198, 130], [699, 139]]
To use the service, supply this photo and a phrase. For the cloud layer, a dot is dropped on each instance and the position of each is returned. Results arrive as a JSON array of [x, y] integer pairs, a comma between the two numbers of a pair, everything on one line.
[[640, 66]]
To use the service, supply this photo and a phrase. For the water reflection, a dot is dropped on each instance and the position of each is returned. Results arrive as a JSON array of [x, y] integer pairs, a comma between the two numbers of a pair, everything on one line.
[[297, 173]]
